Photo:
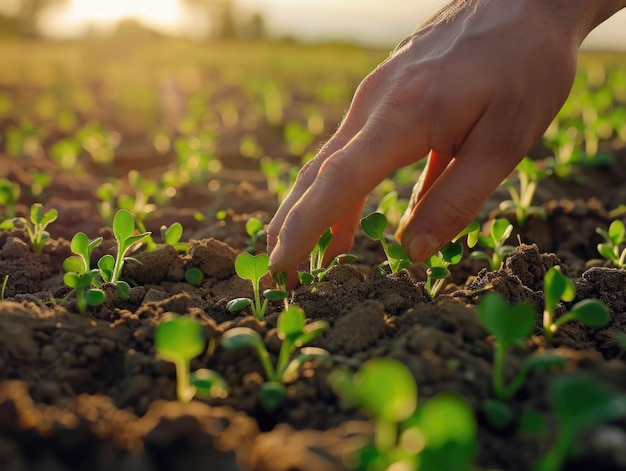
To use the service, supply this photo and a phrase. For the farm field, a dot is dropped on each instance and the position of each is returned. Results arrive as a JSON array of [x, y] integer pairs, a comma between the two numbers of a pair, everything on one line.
[[194, 143]]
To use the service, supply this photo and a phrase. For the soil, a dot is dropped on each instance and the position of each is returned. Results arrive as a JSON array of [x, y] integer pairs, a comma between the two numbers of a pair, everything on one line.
[[88, 392]]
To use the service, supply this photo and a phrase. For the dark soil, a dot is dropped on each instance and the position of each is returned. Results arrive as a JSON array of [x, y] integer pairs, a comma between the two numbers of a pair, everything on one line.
[[88, 392]]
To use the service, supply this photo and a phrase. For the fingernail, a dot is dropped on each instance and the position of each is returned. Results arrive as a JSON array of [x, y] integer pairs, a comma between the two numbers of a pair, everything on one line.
[[423, 245], [276, 255]]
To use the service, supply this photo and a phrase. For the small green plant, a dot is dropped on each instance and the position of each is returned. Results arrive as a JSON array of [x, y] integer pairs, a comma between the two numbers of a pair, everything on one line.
[[450, 254], [179, 339], [253, 268], [194, 276], [294, 333], [529, 175], [557, 287], [374, 227], [35, 225], [438, 436], [255, 231], [111, 267], [510, 326], [9, 195], [79, 274], [171, 236], [499, 231], [317, 270], [580, 402], [611, 249]]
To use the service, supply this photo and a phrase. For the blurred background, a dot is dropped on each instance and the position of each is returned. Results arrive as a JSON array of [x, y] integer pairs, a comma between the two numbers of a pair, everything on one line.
[[377, 23]]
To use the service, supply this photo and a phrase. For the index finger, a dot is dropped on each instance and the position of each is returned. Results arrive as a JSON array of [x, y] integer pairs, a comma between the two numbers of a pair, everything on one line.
[[342, 182]]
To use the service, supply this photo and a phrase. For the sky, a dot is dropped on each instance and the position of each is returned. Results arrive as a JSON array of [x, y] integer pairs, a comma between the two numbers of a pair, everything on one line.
[[372, 22]]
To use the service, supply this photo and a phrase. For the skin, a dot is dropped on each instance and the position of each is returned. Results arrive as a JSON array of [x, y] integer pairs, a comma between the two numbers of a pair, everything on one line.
[[472, 89]]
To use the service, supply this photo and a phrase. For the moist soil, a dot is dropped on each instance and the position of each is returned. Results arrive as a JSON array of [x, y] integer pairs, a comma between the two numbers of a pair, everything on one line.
[[88, 392]]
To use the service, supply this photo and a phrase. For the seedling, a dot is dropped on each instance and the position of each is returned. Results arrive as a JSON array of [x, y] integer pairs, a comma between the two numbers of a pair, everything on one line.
[[441, 435], [194, 276], [79, 275], [179, 339], [557, 287], [317, 270], [450, 254], [35, 226], [511, 325], [580, 403], [255, 231], [171, 236], [374, 227], [499, 231], [9, 195], [529, 175], [110, 267], [253, 268], [294, 333], [614, 239]]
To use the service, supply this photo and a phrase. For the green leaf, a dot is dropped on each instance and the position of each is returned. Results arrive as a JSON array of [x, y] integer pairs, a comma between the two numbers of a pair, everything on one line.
[[606, 251], [72, 279], [617, 232], [438, 273], [452, 252], [557, 287], [238, 304], [290, 324], [275, 294], [324, 241], [123, 225], [95, 297], [273, 395], [242, 337], [252, 267], [80, 243], [171, 235], [123, 290], [209, 384], [501, 229], [194, 276], [179, 338], [374, 226], [397, 252], [591, 312], [74, 264], [253, 226], [507, 323]]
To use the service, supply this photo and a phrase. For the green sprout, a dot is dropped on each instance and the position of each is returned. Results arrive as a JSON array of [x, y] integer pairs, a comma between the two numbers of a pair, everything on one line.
[[179, 339], [580, 403], [110, 267], [35, 226], [499, 231], [450, 254], [439, 436], [253, 268], [294, 333], [79, 274], [529, 175], [171, 236], [510, 326], [614, 239], [9, 195], [194, 276], [317, 270], [557, 287], [255, 231], [374, 227]]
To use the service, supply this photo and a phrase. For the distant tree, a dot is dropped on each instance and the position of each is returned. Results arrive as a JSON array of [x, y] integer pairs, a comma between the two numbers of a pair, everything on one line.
[[220, 14], [254, 27], [28, 13]]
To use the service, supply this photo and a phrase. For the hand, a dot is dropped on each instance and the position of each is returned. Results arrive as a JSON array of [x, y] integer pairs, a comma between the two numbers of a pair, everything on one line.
[[474, 89]]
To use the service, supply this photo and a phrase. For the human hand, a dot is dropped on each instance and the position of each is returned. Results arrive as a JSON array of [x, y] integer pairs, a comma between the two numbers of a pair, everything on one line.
[[474, 88]]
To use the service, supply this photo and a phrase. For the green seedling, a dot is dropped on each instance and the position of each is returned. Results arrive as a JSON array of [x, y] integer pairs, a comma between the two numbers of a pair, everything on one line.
[[611, 249], [580, 403], [255, 231], [450, 254], [529, 174], [79, 275], [374, 227], [194, 276], [557, 287], [499, 231], [35, 226], [440, 435], [110, 267], [83, 285], [253, 268], [294, 333], [510, 326], [179, 339], [317, 270], [171, 236], [9, 195]]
